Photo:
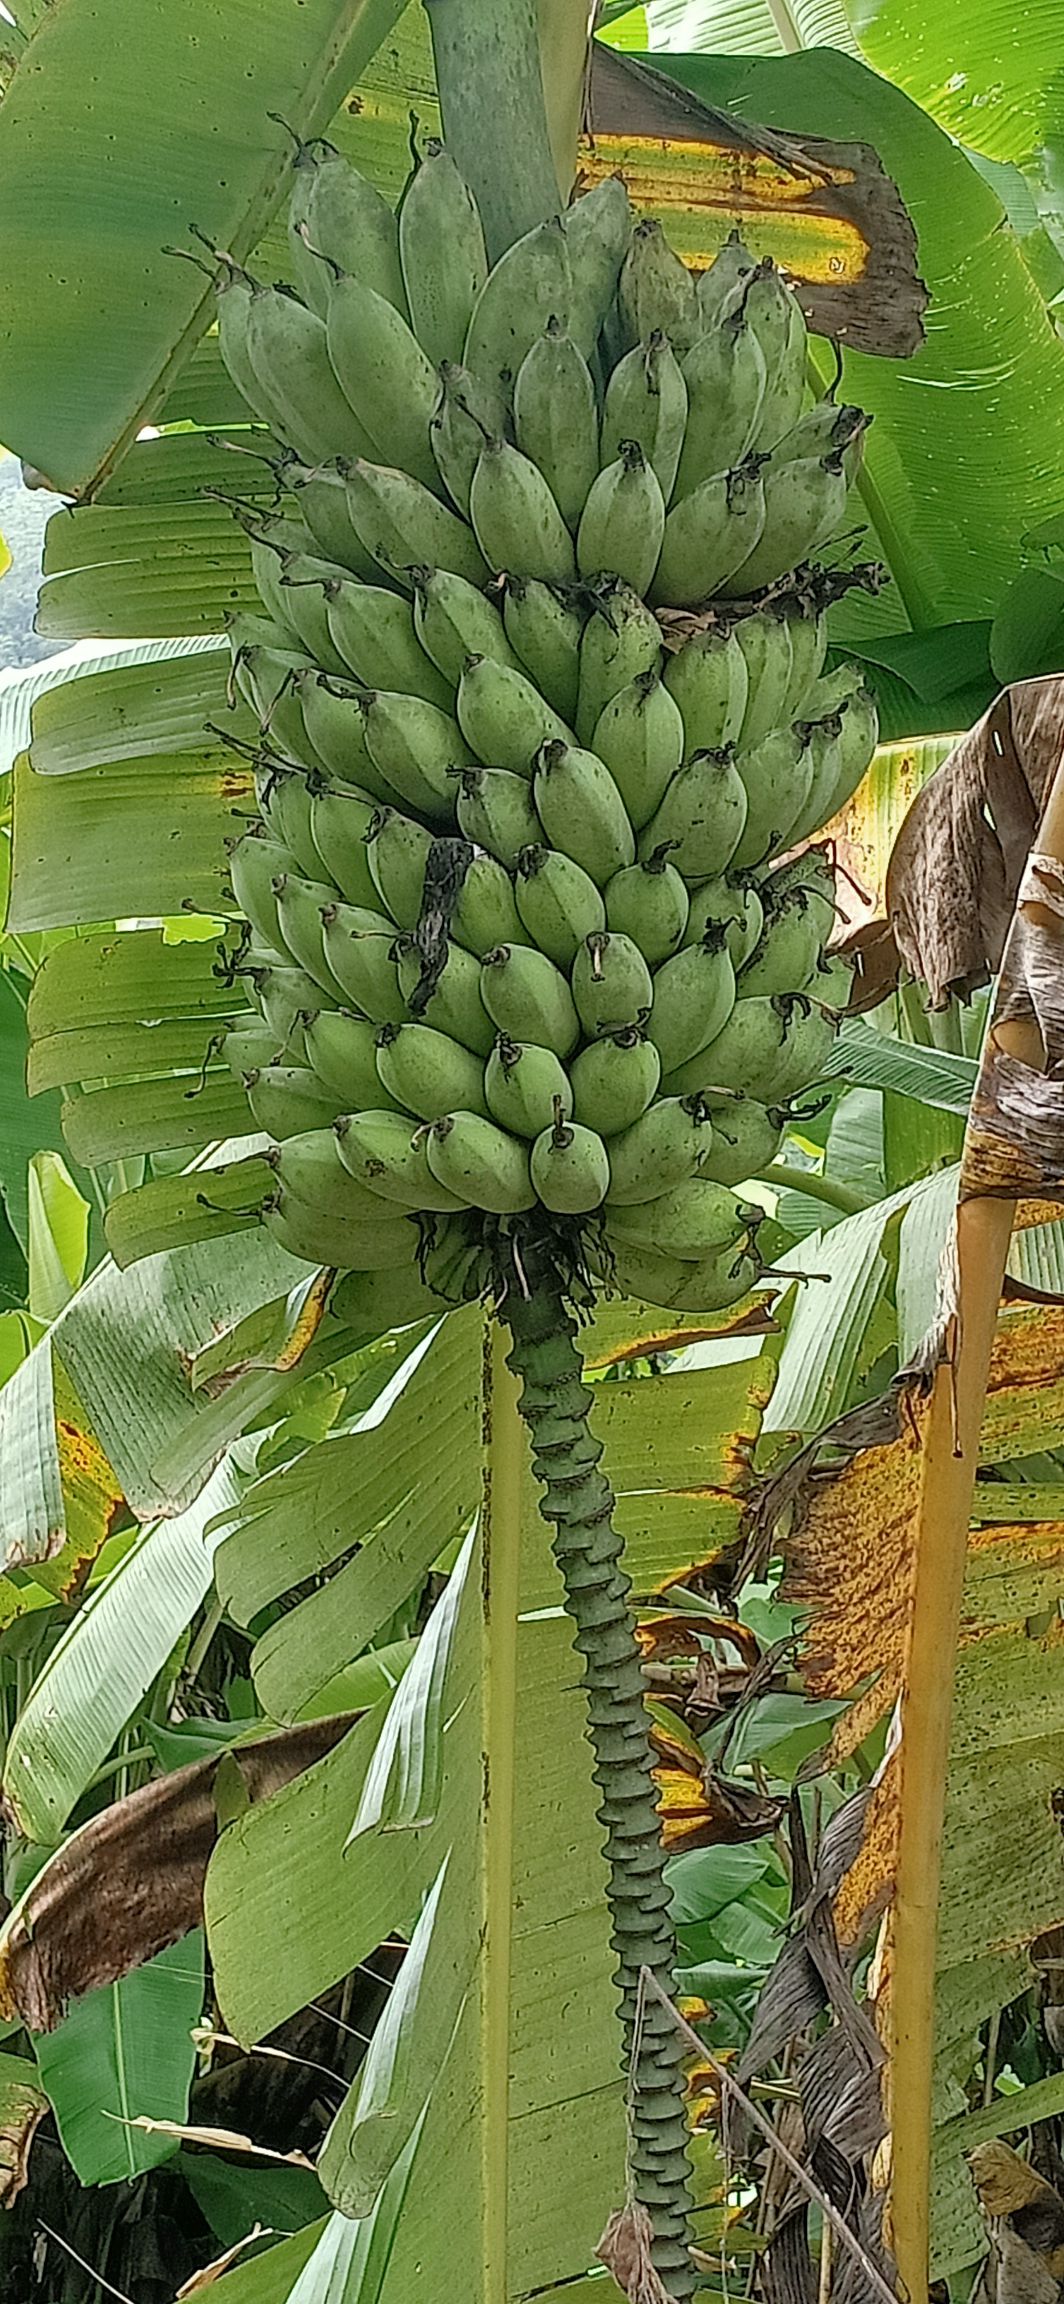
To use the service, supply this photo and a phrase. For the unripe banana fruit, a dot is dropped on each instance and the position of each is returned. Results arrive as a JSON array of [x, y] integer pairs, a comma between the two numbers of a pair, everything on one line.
[[544, 626], [640, 736], [620, 640], [516, 521], [694, 994], [611, 983], [709, 681], [581, 810], [480, 1163], [746, 1137], [692, 1219], [702, 816], [570, 1167], [428, 1073], [613, 1081], [524, 1086], [527, 997], [385, 1153], [556, 418], [646, 401], [649, 903], [558, 902], [503, 717], [668, 1144], [623, 521]]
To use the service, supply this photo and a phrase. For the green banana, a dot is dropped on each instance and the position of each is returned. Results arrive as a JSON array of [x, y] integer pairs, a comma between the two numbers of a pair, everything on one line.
[[453, 620], [303, 583], [660, 1150], [746, 1137], [319, 1238], [613, 1081], [429, 1073], [777, 775], [809, 645], [467, 414], [611, 984], [701, 817], [285, 797], [403, 527], [485, 913], [693, 1219], [265, 678], [359, 948], [640, 736], [266, 554], [480, 1163], [852, 757], [804, 504], [234, 293], [570, 1167], [335, 722], [556, 418], [248, 1047], [257, 865], [341, 1050], [288, 349], [415, 747], [776, 318], [581, 810], [709, 680], [495, 810], [310, 1170], [711, 1285], [823, 428], [737, 906], [558, 903], [764, 640], [302, 906], [285, 1099], [337, 218], [531, 283], [528, 998], [287, 997], [823, 738], [340, 820], [724, 373], [716, 287], [620, 640], [598, 228], [623, 521], [384, 376], [373, 632], [808, 1042], [694, 994], [746, 1052], [655, 291], [832, 691], [444, 260], [523, 1083], [503, 716], [379, 1152], [397, 852], [832, 984], [709, 535], [789, 948], [646, 401], [649, 903], [545, 630], [452, 1003], [371, 1303], [516, 521], [321, 494], [813, 870]]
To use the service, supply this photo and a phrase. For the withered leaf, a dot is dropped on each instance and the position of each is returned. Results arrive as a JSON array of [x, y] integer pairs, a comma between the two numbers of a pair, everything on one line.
[[131, 1882]]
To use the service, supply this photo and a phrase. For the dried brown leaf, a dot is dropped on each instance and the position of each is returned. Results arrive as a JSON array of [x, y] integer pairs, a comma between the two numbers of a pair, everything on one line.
[[131, 1882]]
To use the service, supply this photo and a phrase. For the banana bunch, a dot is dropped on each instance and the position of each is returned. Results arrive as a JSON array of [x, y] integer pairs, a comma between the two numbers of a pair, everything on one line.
[[518, 949]]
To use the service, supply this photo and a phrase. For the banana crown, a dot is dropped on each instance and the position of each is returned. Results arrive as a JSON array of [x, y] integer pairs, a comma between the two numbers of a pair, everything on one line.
[[540, 694]]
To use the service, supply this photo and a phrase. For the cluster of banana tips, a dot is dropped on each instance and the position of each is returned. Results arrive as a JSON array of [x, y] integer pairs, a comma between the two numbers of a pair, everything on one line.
[[541, 691]]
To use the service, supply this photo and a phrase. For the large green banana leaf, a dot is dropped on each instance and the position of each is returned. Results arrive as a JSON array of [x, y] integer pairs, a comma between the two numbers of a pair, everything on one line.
[[469, 1818], [110, 154]]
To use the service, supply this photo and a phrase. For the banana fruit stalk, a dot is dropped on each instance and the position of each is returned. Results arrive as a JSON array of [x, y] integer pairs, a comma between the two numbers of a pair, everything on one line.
[[540, 691]]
